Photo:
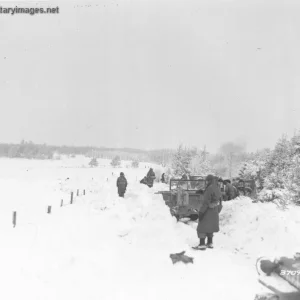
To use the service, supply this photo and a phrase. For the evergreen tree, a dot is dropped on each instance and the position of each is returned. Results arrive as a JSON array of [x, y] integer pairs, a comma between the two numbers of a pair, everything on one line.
[[181, 161], [135, 164], [116, 161], [93, 162], [200, 163]]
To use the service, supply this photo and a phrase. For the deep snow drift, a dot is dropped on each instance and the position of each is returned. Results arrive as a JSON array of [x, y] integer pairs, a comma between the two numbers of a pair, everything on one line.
[[106, 247]]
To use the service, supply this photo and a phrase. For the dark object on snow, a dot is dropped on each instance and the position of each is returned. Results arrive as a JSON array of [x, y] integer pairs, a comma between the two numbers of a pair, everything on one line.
[[163, 180], [181, 257], [266, 266], [144, 181], [14, 218], [121, 184], [150, 177]]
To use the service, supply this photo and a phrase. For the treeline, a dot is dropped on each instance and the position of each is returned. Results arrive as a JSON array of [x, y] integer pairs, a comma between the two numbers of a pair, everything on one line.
[[26, 150], [30, 150], [161, 157], [276, 171], [225, 163]]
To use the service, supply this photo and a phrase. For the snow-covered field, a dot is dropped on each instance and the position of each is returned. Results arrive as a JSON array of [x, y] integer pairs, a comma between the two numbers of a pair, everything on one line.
[[106, 247]]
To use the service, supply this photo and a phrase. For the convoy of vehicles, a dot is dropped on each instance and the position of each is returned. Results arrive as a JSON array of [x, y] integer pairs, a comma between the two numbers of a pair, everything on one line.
[[185, 196]]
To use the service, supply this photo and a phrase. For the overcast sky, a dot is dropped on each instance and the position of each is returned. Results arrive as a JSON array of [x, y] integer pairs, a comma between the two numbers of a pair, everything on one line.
[[151, 74]]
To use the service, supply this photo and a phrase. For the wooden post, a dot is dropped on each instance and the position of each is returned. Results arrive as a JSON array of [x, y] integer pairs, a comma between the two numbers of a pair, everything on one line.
[[77, 192], [71, 197], [14, 218], [83, 192], [49, 209], [61, 202]]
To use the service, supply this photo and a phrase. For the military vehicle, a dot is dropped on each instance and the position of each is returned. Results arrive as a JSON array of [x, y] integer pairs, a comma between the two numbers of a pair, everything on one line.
[[185, 196], [281, 276]]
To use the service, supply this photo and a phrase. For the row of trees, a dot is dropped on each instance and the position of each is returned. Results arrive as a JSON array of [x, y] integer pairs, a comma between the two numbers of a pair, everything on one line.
[[194, 161], [30, 150], [115, 162], [27, 150], [277, 171]]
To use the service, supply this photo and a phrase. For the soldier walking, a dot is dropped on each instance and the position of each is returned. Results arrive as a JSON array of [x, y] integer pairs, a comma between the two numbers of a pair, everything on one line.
[[121, 185]]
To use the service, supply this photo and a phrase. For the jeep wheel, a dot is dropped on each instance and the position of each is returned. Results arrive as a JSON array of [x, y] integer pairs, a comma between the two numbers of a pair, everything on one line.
[[194, 217]]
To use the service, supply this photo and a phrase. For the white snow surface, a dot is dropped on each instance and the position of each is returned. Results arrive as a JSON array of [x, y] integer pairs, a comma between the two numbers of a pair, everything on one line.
[[106, 247]]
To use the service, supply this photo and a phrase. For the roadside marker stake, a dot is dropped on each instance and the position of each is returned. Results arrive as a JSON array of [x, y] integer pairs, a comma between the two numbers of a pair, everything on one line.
[[14, 218]]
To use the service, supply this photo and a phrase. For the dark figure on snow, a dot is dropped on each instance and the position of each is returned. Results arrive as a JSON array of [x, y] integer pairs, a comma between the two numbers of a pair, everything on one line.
[[208, 222], [144, 181], [150, 177], [163, 180], [230, 190], [121, 184], [235, 184]]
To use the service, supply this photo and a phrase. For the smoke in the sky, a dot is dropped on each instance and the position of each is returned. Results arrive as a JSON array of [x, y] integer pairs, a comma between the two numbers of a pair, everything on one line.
[[233, 147]]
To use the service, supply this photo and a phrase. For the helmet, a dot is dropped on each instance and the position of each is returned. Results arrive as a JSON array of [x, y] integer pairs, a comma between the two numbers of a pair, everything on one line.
[[122, 174], [210, 178]]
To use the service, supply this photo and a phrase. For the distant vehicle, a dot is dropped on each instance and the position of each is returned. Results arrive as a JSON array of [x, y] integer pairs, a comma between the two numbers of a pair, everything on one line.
[[246, 187], [185, 196]]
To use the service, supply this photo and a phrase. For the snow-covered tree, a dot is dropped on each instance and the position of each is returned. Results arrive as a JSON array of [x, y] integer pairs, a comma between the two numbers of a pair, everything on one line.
[[116, 161], [93, 162], [200, 163], [281, 171], [181, 161], [135, 164], [280, 159], [255, 167], [233, 153]]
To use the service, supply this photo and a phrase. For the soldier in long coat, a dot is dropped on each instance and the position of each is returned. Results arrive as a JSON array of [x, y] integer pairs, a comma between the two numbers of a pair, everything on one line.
[[208, 222], [235, 185], [230, 190], [121, 185]]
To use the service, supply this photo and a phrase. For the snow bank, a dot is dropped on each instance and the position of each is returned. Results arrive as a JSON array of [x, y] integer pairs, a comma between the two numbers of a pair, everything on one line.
[[260, 228], [113, 248]]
